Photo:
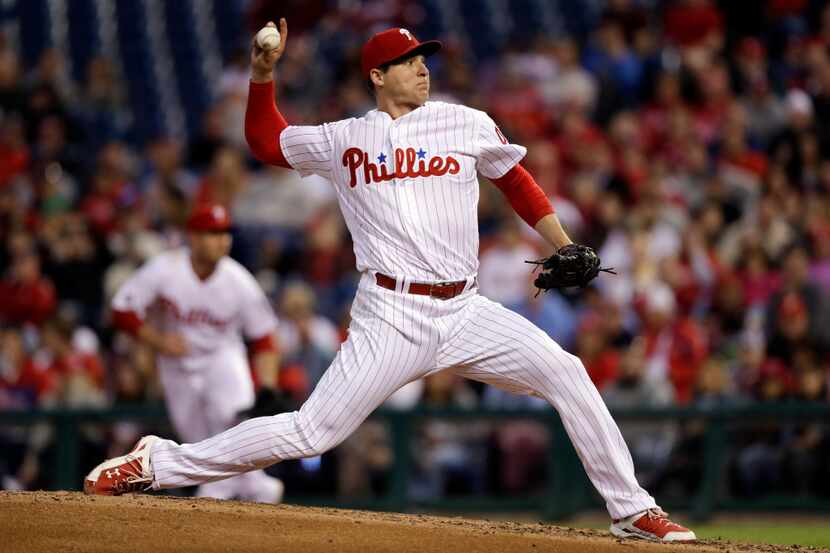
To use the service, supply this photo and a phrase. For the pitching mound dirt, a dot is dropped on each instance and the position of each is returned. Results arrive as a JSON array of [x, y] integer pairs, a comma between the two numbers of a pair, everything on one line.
[[69, 521]]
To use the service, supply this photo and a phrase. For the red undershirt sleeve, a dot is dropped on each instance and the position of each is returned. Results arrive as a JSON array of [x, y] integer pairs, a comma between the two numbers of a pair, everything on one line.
[[128, 321], [263, 344], [524, 194], [264, 124]]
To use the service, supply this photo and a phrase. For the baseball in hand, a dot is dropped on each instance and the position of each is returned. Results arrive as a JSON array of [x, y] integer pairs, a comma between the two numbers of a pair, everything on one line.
[[268, 38]]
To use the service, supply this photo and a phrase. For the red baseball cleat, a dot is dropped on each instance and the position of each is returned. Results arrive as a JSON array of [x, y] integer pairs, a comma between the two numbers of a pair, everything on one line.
[[653, 525], [126, 474]]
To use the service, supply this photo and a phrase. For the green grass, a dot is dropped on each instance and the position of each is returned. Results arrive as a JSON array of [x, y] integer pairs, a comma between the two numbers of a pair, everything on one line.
[[812, 533]]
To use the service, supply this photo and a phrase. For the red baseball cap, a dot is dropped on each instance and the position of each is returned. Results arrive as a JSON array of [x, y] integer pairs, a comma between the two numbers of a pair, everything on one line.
[[209, 218], [393, 44]]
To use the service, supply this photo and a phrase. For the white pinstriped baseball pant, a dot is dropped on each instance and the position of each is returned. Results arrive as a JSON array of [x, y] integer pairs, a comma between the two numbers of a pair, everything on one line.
[[395, 338]]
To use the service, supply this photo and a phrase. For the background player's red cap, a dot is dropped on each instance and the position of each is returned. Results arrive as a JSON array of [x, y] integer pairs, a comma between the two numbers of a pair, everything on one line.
[[392, 44], [209, 218]]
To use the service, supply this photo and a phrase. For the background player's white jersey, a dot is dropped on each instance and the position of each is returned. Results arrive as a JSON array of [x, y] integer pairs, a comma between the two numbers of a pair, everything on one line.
[[408, 187], [210, 315]]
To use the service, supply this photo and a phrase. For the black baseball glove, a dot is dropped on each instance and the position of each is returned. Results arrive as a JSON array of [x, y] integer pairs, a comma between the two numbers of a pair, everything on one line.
[[269, 402], [571, 265]]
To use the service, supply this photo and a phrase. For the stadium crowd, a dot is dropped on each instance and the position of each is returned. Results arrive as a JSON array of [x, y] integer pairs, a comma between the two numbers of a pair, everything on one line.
[[690, 145]]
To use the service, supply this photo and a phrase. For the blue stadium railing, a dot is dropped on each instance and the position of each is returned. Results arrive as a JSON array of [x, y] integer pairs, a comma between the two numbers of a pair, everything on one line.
[[567, 489]]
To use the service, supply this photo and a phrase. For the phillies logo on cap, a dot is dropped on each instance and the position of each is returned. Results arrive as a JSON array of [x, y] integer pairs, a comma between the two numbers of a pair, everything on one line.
[[391, 45]]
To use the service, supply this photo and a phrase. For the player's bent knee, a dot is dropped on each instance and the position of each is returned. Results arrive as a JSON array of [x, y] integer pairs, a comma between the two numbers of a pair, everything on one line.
[[314, 439], [316, 445], [318, 448], [574, 364], [558, 359]]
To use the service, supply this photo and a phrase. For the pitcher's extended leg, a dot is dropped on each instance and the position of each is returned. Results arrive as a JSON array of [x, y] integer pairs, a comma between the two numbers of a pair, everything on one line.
[[500, 347]]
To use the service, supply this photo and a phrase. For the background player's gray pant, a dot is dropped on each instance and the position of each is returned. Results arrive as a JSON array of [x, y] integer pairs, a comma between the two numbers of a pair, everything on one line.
[[395, 338]]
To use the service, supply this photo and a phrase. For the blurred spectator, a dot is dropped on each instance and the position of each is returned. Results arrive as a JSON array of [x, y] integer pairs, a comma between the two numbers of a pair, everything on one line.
[[807, 453], [655, 114], [11, 93], [798, 314], [76, 262], [80, 373], [329, 259], [820, 266], [788, 146], [102, 108], [26, 296], [693, 23], [132, 380], [592, 346], [51, 70], [365, 458], [166, 178], [629, 15], [715, 100], [14, 152], [791, 330], [132, 245], [675, 346], [574, 87], [449, 456], [518, 446], [111, 189], [23, 383], [204, 147], [274, 199], [615, 65], [758, 280], [503, 275], [650, 443], [518, 105], [224, 180], [714, 386], [552, 313], [582, 148], [54, 145], [742, 169], [82, 380], [766, 112], [305, 337], [747, 364], [727, 314]]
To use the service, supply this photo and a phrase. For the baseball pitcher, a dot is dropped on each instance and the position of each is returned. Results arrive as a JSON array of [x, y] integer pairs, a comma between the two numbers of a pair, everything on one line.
[[406, 177]]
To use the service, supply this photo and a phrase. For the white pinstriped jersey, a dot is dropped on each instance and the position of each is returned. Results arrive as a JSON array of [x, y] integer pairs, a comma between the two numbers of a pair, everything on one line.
[[209, 314], [408, 187]]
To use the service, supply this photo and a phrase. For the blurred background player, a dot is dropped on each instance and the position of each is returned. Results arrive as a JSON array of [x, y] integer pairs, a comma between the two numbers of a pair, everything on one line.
[[191, 305]]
